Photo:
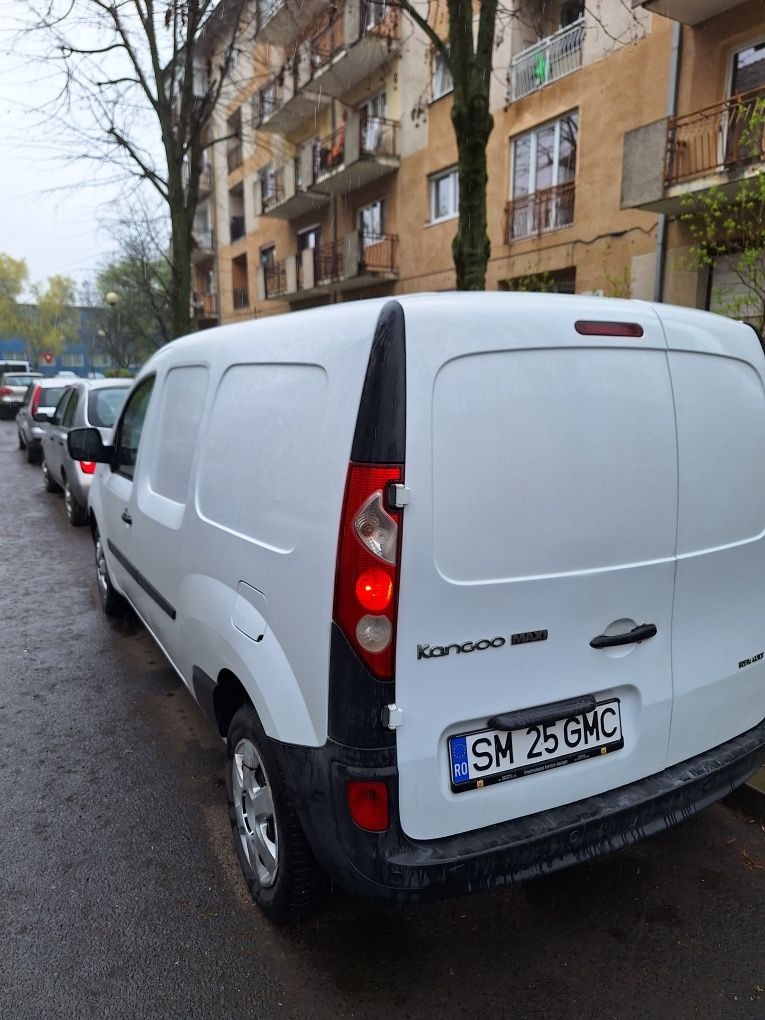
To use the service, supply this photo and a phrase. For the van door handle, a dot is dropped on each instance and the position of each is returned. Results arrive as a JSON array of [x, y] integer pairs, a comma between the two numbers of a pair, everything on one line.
[[127, 518], [637, 634]]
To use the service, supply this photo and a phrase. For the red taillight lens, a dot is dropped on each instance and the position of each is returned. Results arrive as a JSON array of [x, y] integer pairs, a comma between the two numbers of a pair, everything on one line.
[[368, 804], [88, 467], [374, 589], [35, 401], [367, 566], [6, 391]]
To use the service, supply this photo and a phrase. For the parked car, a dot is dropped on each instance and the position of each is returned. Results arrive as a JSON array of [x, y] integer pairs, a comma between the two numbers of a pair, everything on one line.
[[458, 577], [86, 402], [34, 415], [13, 386]]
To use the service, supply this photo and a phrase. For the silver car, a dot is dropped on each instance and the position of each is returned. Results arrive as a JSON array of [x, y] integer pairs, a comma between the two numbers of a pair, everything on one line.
[[94, 402], [13, 386], [36, 411]]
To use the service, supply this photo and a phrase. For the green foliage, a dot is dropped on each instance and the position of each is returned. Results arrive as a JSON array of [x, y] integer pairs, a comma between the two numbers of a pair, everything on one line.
[[13, 279], [44, 326], [618, 285], [731, 223], [141, 321], [535, 279]]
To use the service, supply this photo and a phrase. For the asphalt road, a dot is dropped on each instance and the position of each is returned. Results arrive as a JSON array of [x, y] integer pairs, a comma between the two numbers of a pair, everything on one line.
[[120, 895]]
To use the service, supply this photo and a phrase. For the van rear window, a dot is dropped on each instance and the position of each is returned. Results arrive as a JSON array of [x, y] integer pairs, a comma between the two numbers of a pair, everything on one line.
[[258, 458], [552, 461]]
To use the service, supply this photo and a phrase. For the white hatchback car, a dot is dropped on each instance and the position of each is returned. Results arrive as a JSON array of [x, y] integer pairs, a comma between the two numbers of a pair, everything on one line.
[[460, 578]]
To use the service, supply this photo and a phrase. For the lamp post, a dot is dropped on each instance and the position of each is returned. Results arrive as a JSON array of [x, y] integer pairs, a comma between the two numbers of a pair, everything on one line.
[[112, 300]]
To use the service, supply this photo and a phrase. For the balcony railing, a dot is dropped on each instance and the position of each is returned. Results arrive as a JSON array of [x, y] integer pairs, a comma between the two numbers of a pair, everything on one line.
[[532, 215], [203, 238], [547, 61], [377, 252], [379, 136], [273, 189], [375, 16], [269, 98], [328, 41], [241, 298], [276, 279], [717, 137], [205, 305], [234, 156], [329, 152], [328, 262], [237, 227]]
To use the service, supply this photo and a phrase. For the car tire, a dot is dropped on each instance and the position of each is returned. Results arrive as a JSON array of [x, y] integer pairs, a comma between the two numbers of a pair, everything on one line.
[[50, 483], [33, 454], [112, 603], [75, 512], [278, 865], [22, 444]]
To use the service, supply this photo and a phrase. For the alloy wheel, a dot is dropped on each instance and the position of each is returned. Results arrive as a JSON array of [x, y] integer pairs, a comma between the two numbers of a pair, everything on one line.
[[255, 815]]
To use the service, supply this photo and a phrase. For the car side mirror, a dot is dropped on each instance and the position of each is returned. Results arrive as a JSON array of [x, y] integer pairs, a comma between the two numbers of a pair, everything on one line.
[[43, 416], [86, 444]]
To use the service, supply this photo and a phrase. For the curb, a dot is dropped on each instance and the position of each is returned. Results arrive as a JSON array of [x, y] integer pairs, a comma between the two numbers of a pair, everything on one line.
[[749, 799]]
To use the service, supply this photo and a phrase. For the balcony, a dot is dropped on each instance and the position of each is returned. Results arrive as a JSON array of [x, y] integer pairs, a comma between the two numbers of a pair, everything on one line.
[[540, 213], [205, 306], [360, 151], [355, 261], [281, 21], [205, 178], [361, 37], [284, 193], [547, 61], [689, 12], [203, 244], [717, 146]]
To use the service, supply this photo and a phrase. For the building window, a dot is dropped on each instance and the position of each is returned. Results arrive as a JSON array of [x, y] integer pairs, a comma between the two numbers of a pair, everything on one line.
[[441, 78], [102, 361], [73, 360], [544, 168], [372, 222], [444, 195], [555, 281]]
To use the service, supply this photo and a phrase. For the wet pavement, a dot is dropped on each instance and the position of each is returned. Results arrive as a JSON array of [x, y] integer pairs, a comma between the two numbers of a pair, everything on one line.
[[120, 895]]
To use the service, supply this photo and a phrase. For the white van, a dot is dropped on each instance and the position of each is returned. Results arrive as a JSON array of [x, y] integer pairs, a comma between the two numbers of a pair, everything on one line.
[[472, 584]]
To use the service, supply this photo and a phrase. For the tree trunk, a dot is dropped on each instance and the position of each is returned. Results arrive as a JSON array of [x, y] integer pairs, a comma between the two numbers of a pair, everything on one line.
[[471, 247]]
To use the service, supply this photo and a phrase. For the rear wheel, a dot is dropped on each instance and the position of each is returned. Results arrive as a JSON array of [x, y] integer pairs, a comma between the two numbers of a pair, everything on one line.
[[75, 512], [279, 867], [50, 483], [112, 602], [22, 444]]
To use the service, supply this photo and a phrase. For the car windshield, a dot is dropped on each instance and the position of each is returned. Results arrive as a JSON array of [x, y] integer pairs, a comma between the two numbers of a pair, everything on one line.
[[17, 380], [50, 395], [104, 405]]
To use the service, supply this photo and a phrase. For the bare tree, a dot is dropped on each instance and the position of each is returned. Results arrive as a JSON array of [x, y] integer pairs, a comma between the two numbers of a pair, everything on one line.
[[136, 67]]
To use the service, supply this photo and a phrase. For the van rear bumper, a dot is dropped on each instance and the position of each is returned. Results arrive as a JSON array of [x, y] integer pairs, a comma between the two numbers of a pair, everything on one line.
[[392, 866]]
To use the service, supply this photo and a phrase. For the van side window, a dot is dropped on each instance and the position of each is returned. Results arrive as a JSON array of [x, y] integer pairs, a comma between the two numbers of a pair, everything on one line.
[[180, 413], [131, 427], [61, 408]]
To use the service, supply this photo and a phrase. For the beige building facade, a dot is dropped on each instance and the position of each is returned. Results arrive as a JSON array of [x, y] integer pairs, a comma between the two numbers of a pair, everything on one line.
[[335, 178]]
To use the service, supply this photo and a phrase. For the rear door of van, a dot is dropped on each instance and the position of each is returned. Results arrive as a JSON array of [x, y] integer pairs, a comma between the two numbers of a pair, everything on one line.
[[718, 653], [542, 465]]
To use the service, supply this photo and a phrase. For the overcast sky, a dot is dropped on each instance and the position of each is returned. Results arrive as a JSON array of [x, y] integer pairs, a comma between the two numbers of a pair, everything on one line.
[[46, 215]]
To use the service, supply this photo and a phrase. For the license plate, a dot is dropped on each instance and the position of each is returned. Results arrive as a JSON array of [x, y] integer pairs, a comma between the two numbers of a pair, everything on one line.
[[491, 756]]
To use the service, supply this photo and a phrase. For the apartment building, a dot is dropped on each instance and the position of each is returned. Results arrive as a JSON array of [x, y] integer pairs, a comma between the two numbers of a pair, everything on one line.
[[335, 175], [700, 140]]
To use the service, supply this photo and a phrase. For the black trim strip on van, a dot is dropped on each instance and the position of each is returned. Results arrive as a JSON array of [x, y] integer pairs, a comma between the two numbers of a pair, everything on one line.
[[380, 435], [138, 577]]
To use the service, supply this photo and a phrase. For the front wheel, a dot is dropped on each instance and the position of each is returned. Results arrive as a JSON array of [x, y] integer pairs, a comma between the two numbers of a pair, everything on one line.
[[278, 865], [75, 512], [112, 602]]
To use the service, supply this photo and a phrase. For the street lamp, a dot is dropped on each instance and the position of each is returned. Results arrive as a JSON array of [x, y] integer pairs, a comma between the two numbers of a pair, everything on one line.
[[112, 300]]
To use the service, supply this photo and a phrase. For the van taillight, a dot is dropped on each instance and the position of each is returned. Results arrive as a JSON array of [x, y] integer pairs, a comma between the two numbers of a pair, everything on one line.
[[35, 401], [366, 588], [88, 467]]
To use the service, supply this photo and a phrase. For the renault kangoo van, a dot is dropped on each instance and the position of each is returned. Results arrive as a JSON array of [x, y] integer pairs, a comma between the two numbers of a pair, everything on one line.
[[471, 585]]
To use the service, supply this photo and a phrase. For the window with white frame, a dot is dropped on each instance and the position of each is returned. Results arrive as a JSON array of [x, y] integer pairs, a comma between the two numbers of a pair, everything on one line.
[[544, 169], [102, 361], [444, 195], [441, 77]]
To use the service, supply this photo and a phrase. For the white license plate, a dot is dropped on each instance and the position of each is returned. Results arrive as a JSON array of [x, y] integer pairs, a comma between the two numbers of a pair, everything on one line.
[[491, 756]]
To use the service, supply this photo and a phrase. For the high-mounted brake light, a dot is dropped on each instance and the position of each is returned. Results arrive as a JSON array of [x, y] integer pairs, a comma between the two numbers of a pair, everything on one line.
[[88, 467], [366, 590], [595, 328]]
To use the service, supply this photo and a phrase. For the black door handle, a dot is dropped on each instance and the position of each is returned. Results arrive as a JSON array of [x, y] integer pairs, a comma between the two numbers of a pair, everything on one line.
[[637, 634], [127, 518]]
